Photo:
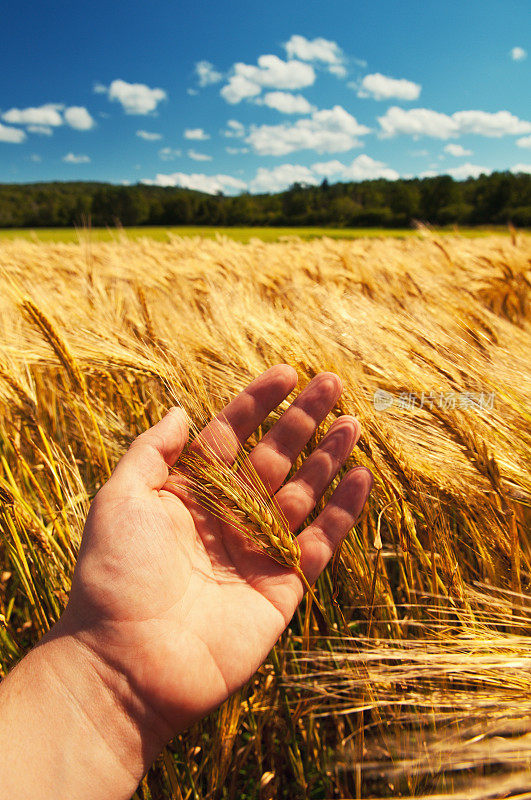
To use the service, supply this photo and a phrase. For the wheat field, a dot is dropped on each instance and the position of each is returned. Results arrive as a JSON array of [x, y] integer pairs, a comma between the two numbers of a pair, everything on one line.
[[430, 694]]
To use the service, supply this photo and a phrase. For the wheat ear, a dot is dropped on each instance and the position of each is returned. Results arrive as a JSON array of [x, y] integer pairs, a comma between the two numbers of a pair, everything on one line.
[[240, 499]]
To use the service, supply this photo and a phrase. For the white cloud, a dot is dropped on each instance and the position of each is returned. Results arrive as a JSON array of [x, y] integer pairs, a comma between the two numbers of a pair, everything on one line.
[[48, 114], [525, 141], [382, 87], [361, 168], [168, 153], [211, 184], [460, 173], [521, 168], [42, 130], [327, 131], [35, 157], [287, 103], [457, 150], [467, 170], [197, 134], [148, 136], [280, 177], [135, 98], [425, 122], [328, 168], [99, 88], [272, 72], [199, 156], [319, 49], [235, 151], [365, 168], [518, 54], [338, 69], [79, 118], [501, 123], [42, 119], [417, 122], [239, 88], [70, 158], [12, 135], [234, 129], [207, 74]]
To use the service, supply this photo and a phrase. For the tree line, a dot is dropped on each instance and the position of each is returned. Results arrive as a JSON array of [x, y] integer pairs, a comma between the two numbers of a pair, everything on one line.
[[494, 199]]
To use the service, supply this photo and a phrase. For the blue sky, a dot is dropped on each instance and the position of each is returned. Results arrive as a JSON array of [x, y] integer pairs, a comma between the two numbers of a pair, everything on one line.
[[236, 96]]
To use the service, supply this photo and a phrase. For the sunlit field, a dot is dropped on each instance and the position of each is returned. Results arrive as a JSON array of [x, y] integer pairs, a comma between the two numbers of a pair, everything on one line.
[[421, 685], [269, 234]]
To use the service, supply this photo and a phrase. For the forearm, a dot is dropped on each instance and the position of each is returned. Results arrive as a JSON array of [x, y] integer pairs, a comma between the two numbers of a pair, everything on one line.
[[67, 727]]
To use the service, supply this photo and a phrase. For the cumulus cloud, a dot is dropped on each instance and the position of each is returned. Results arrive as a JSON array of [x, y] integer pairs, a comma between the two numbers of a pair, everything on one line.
[[501, 123], [280, 177], [272, 72], [331, 130], [211, 184], [169, 153], [207, 74], [70, 158], [197, 134], [79, 118], [42, 119], [148, 136], [328, 168], [287, 103], [338, 69], [235, 151], [425, 122], [199, 156], [525, 141], [234, 129], [319, 50], [518, 168], [365, 168], [42, 130], [382, 87], [135, 98], [362, 168], [457, 150], [417, 122], [11, 135], [467, 170], [518, 54], [47, 114]]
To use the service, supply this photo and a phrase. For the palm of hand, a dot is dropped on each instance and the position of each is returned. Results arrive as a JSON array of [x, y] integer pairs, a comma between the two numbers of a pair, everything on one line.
[[175, 600]]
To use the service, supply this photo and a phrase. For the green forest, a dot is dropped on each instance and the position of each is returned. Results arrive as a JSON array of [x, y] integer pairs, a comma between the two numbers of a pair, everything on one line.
[[495, 199]]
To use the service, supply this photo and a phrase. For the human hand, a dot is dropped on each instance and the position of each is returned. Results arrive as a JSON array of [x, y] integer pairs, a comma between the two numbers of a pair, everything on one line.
[[173, 607]]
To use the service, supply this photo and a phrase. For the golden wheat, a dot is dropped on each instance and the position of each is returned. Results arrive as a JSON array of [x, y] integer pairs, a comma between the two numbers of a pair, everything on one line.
[[434, 583]]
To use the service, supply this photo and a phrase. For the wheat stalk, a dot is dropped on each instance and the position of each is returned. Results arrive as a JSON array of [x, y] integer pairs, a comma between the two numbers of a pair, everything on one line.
[[56, 342], [238, 497]]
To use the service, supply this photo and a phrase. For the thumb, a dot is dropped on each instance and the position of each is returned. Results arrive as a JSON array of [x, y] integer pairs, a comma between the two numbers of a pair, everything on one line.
[[151, 454]]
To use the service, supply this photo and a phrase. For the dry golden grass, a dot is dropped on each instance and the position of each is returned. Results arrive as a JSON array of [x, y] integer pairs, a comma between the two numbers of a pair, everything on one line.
[[431, 695]]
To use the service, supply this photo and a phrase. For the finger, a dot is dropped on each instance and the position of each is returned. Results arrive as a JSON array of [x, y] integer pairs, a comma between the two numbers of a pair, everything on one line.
[[274, 455], [242, 416], [151, 454], [320, 539], [298, 497]]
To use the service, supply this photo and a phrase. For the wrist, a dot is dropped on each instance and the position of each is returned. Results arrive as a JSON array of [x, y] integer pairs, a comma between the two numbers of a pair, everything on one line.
[[100, 741], [107, 703]]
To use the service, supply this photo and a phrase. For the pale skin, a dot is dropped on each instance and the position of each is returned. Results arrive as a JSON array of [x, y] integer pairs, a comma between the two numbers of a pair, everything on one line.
[[171, 610]]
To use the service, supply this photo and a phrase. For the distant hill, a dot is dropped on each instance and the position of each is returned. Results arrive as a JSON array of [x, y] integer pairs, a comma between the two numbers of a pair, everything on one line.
[[488, 200]]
